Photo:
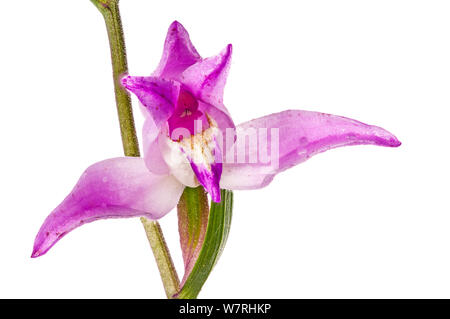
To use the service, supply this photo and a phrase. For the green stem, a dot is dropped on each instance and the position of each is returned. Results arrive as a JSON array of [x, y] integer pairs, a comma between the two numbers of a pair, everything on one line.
[[166, 269], [111, 14]]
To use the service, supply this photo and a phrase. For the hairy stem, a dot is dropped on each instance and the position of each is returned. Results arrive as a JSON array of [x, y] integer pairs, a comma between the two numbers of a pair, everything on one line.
[[166, 269], [111, 14]]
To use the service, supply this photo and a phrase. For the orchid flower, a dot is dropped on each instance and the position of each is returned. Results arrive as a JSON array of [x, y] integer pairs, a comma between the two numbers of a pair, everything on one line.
[[190, 140]]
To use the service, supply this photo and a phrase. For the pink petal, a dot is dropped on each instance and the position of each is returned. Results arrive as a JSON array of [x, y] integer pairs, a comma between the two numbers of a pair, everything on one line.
[[157, 95], [152, 152], [205, 156], [301, 134], [209, 177], [220, 115], [206, 80], [179, 53], [114, 188]]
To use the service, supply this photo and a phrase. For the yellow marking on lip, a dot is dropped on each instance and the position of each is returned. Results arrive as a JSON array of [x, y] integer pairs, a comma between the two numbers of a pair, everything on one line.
[[199, 147]]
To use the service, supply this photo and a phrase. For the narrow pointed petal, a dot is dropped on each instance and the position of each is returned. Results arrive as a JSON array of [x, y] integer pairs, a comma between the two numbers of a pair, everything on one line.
[[209, 177], [290, 138], [114, 188], [205, 156], [206, 79], [158, 96], [179, 53]]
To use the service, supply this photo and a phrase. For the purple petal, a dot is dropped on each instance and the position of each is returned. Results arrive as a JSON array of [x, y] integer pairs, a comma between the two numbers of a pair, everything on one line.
[[205, 156], [157, 95], [178, 54], [209, 177], [292, 137], [114, 188], [220, 115], [206, 79]]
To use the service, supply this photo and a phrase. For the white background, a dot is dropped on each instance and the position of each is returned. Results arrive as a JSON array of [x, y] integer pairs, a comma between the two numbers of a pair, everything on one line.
[[358, 222]]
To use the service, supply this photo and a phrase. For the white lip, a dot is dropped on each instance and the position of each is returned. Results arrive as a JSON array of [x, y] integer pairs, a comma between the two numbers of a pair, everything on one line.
[[198, 148], [177, 161]]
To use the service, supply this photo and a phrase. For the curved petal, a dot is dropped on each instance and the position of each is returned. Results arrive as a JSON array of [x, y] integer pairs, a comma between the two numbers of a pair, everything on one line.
[[206, 79], [179, 53], [157, 95], [209, 177], [271, 144], [114, 188], [152, 152], [220, 116], [177, 161], [205, 157]]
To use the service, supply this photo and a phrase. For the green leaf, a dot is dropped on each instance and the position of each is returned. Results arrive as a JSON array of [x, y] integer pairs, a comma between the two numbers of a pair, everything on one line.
[[193, 211], [213, 244]]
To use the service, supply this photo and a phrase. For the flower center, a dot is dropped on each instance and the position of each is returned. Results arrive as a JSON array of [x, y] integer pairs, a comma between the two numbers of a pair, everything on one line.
[[187, 120]]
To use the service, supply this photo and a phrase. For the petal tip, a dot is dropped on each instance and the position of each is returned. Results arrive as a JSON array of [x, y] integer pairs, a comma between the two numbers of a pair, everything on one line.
[[43, 242], [175, 25], [395, 142], [387, 139], [37, 252], [227, 52], [215, 195]]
